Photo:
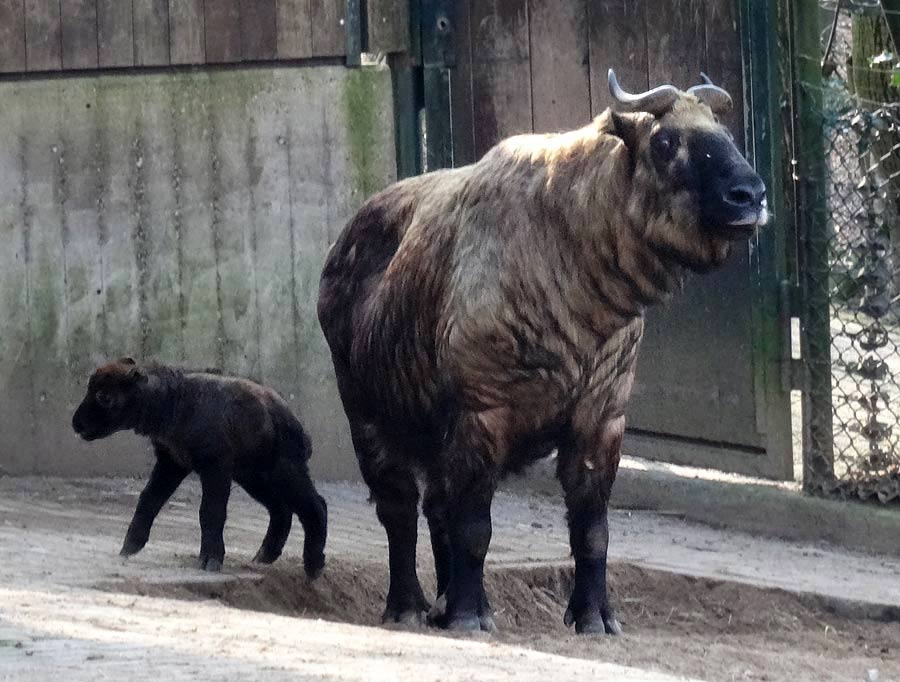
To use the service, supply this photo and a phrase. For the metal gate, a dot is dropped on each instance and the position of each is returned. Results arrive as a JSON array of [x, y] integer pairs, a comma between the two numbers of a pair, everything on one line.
[[713, 385], [846, 125]]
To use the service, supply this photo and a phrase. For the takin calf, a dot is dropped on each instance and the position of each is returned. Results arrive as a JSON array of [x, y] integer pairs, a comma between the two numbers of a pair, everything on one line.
[[223, 428], [481, 317]]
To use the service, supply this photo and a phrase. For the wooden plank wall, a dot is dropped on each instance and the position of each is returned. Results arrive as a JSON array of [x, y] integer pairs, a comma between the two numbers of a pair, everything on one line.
[[540, 65], [63, 35]]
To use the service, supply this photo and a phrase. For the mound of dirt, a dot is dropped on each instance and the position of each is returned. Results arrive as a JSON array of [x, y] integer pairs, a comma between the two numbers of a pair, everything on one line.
[[678, 624]]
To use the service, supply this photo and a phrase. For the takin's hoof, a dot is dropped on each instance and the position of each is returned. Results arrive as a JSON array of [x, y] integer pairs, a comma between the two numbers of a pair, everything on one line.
[[209, 564], [408, 612], [440, 617], [412, 619], [593, 623]]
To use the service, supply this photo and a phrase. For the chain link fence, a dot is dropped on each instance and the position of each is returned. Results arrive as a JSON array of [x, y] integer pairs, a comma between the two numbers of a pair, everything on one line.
[[850, 257]]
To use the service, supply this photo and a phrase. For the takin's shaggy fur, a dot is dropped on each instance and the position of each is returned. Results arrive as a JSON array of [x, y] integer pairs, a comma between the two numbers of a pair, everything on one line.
[[480, 317], [223, 428]]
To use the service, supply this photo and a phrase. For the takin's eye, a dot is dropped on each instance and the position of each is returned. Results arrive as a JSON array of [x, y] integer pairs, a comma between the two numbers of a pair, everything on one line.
[[664, 145], [103, 399]]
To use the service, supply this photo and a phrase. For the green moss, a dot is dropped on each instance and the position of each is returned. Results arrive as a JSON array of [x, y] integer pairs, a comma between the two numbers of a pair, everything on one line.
[[360, 115]]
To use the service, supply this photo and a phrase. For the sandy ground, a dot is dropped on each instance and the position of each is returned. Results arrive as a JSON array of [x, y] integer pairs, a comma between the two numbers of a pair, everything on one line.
[[695, 602]]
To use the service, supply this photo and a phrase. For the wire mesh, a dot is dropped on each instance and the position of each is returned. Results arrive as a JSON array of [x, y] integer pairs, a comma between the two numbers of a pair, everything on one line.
[[852, 258]]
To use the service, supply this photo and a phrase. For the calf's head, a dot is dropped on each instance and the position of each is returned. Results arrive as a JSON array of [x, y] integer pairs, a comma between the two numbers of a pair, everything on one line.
[[112, 402], [693, 192]]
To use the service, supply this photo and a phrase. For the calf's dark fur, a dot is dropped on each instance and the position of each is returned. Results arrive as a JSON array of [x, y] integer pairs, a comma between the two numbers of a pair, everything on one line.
[[223, 428]]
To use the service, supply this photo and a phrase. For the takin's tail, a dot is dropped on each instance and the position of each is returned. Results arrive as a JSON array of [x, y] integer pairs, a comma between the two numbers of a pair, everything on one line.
[[358, 258]]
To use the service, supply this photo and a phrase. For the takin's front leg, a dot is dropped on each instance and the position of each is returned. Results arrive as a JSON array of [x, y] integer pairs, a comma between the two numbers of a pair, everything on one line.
[[587, 467], [164, 480], [215, 481], [471, 479]]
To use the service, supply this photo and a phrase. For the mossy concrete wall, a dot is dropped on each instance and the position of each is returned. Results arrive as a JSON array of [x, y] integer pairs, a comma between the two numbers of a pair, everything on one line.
[[182, 217]]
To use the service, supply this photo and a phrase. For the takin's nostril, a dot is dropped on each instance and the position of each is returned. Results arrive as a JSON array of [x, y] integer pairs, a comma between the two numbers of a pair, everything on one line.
[[742, 195]]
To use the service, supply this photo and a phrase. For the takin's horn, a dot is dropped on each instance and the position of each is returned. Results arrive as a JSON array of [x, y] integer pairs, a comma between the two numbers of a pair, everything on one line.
[[712, 95], [656, 101]]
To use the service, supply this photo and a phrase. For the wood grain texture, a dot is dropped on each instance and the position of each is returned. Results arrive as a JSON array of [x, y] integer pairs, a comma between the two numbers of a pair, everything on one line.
[[501, 71], [115, 33], [259, 38], [223, 30], [294, 29], [617, 35], [43, 48], [151, 32], [12, 36], [461, 103], [389, 25], [724, 61], [79, 34], [677, 54], [560, 76], [328, 22], [187, 40]]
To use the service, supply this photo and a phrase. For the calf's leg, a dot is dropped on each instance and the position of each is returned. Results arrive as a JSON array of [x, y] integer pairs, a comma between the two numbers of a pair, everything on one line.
[[261, 489], [216, 484], [292, 484], [587, 466], [164, 480]]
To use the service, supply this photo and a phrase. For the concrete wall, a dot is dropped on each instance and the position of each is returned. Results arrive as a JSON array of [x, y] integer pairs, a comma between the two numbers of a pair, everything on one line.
[[182, 217]]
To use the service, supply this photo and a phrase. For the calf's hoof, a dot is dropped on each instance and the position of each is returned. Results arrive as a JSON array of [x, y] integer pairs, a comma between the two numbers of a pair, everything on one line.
[[441, 617], [130, 548], [314, 542], [314, 565], [593, 623], [264, 556]]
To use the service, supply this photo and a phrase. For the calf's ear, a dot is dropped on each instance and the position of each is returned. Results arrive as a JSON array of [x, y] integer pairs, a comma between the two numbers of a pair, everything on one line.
[[137, 375], [127, 361]]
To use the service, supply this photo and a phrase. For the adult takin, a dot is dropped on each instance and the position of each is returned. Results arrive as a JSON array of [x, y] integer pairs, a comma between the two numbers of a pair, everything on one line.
[[223, 428], [481, 317]]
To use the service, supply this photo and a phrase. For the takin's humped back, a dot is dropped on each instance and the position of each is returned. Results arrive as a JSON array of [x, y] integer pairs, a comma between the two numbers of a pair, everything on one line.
[[480, 317]]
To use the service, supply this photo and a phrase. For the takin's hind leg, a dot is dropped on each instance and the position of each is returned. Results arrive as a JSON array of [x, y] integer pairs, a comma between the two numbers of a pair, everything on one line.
[[435, 510], [260, 488], [291, 480], [393, 489], [471, 476]]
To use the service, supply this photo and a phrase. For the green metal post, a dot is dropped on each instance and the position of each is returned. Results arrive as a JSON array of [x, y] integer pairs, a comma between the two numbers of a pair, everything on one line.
[[764, 96], [812, 218], [438, 57], [406, 76]]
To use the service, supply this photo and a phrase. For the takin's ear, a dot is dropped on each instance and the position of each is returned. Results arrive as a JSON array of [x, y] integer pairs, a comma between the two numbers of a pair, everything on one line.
[[626, 125], [127, 361]]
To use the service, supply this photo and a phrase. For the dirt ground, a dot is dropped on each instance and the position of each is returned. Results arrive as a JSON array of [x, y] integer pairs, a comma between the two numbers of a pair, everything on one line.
[[71, 609]]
